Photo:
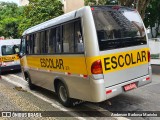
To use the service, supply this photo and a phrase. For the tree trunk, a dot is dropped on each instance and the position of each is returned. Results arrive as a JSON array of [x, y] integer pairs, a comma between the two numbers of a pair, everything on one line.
[[157, 29], [142, 5], [152, 33]]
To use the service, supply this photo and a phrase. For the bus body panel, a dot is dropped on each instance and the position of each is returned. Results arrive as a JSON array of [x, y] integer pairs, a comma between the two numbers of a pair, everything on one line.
[[127, 72], [45, 77]]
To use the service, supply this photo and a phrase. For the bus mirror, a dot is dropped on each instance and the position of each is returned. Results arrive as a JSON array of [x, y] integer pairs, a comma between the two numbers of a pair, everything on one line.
[[20, 54]]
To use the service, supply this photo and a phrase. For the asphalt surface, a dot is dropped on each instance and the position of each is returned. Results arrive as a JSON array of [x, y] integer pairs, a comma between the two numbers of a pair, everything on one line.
[[145, 98]]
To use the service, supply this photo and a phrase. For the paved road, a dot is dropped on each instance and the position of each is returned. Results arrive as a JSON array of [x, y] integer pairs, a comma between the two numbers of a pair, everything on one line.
[[145, 98]]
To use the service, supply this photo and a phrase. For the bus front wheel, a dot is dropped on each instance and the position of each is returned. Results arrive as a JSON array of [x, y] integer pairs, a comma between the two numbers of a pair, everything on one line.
[[63, 95], [31, 86]]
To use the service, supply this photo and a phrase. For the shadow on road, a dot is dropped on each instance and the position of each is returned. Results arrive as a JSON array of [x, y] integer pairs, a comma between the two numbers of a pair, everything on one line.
[[10, 72], [156, 69]]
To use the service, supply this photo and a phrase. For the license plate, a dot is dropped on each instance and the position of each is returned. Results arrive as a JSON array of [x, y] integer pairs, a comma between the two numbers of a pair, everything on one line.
[[130, 86]]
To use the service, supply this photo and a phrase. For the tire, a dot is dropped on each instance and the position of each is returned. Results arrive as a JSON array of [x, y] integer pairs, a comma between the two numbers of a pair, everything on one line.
[[31, 86], [63, 95]]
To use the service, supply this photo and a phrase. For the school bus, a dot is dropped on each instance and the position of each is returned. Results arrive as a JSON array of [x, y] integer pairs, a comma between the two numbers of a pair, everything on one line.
[[9, 59], [92, 54]]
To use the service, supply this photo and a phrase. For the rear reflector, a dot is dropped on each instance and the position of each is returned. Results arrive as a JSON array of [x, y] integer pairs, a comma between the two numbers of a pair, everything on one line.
[[85, 76], [109, 91], [148, 78], [4, 64]]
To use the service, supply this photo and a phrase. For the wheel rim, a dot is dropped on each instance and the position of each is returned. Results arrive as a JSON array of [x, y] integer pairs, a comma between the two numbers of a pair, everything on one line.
[[63, 93], [27, 79]]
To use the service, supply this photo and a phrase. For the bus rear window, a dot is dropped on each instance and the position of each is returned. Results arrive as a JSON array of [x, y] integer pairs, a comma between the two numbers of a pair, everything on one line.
[[118, 28], [10, 49]]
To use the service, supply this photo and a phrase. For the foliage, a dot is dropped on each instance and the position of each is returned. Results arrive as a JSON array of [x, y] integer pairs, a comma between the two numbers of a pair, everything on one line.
[[9, 19], [41, 10], [14, 20], [153, 16]]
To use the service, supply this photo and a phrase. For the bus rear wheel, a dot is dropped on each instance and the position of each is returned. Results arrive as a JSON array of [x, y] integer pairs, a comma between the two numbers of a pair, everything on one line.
[[63, 95]]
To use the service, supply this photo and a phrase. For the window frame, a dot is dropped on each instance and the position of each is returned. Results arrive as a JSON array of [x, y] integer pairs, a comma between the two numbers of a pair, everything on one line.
[[61, 40]]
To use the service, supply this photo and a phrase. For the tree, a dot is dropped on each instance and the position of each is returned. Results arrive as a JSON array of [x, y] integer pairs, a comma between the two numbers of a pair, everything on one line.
[[153, 17], [9, 19], [39, 11]]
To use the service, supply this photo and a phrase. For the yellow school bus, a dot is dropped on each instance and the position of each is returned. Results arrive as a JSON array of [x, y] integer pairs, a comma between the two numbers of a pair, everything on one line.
[[9, 59], [91, 54]]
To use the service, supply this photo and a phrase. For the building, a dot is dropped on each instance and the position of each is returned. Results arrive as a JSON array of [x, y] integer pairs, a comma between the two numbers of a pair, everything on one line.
[[70, 5], [23, 2]]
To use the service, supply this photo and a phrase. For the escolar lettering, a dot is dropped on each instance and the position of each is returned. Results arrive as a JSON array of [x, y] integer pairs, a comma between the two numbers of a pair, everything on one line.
[[124, 60], [52, 63]]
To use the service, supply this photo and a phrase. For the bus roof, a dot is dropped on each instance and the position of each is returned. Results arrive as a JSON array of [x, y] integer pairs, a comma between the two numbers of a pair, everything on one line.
[[9, 42]]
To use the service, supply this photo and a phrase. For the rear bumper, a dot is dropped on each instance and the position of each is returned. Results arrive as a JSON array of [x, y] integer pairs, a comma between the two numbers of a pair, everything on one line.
[[118, 89], [10, 68], [99, 91]]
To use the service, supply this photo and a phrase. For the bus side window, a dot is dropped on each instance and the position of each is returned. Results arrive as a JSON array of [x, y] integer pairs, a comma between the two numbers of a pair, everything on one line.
[[23, 46], [37, 43], [51, 36], [43, 42], [58, 40], [68, 37], [79, 46], [31, 39]]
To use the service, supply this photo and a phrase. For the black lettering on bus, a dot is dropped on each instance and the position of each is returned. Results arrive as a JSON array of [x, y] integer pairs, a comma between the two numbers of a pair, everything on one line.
[[127, 59], [57, 63], [113, 60], [51, 63], [138, 57], [143, 55], [42, 60], [133, 62], [61, 64], [121, 65], [47, 63], [106, 63]]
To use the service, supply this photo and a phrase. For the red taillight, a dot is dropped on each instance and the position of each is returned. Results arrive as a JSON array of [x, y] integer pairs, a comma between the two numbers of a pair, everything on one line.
[[149, 56], [96, 67], [0, 63], [109, 91]]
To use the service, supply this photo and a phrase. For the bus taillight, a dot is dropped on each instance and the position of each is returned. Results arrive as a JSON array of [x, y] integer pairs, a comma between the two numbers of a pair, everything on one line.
[[149, 56], [96, 67]]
